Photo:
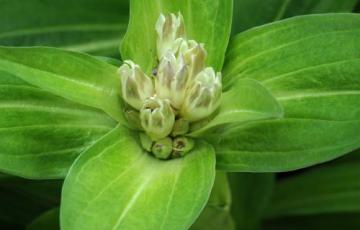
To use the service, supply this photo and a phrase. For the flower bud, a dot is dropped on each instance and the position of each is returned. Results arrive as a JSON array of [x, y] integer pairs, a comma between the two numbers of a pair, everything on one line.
[[194, 56], [170, 30], [157, 117], [181, 127], [181, 146], [203, 96], [135, 85], [145, 142], [162, 148], [171, 79]]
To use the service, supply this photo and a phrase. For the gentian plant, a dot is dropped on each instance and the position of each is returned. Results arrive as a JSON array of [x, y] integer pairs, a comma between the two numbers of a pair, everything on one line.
[[144, 144]]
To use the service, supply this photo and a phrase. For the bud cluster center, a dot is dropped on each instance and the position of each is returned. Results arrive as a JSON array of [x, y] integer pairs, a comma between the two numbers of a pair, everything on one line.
[[180, 90]]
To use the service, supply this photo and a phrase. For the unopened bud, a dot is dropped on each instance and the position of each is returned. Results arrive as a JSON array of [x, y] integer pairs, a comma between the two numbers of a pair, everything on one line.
[[181, 146], [181, 127], [170, 30], [171, 79], [146, 142], [135, 85], [133, 118], [157, 117], [194, 55], [203, 97], [162, 148]]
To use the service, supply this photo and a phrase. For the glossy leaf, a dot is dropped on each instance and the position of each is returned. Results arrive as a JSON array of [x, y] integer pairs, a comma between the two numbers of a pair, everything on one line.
[[216, 214], [246, 101], [311, 65], [48, 220], [134, 186], [251, 194], [42, 134], [331, 188], [206, 21], [72, 75], [92, 26], [251, 13]]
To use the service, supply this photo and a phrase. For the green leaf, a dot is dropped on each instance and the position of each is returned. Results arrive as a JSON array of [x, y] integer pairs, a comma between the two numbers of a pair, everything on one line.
[[48, 220], [328, 188], [216, 214], [246, 101], [312, 69], [92, 26], [135, 190], [206, 21], [22, 200], [315, 222], [72, 75], [251, 13], [42, 134], [251, 194]]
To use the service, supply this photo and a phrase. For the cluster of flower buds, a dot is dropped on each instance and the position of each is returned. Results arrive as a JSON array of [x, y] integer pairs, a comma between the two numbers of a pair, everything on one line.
[[182, 90]]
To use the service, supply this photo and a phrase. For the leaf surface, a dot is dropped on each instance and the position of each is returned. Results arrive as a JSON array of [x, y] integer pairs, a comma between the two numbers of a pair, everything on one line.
[[329, 188], [311, 65], [216, 214], [115, 185], [75, 76], [42, 134], [91, 26]]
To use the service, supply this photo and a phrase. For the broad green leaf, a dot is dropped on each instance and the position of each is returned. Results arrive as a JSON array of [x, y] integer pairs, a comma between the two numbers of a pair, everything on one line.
[[75, 76], [22, 200], [206, 21], [216, 214], [250, 13], [92, 26], [311, 65], [286, 144], [42, 134], [331, 188], [315, 222], [134, 190], [246, 101], [251, 194], [48, 220]]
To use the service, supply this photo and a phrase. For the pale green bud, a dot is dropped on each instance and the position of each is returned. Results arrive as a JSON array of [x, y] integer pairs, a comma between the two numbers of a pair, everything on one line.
[[194, 56], [162, 148], [135, 85], [146, 142], [170, 30], [157, 117], [203, 96], [181, 146], [181, 127], [171, 79]]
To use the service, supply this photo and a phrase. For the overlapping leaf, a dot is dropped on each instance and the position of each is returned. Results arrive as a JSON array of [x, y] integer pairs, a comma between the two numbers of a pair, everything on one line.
[[311, 65], [92, 26], [216, 214], [41, 134], [75, 76], [251, 13], [331, 188], [119, 184]]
